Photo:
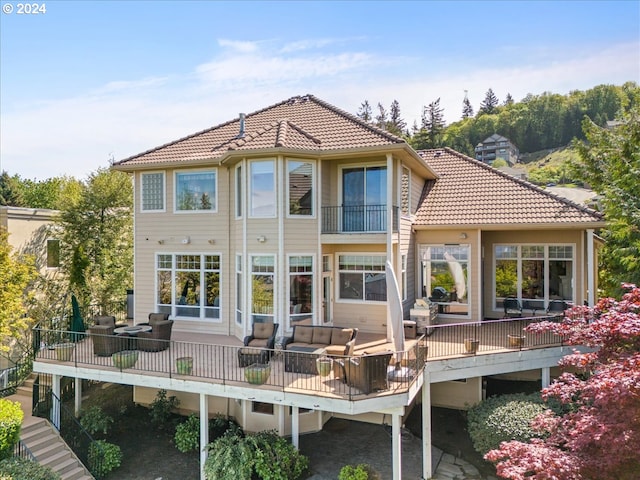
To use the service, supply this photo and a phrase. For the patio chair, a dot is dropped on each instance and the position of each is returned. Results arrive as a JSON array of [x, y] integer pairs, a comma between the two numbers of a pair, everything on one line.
[[107, 320], [368, 372], [158, 338], [556, 308], [105, 343], [258, 347], [512, 308]]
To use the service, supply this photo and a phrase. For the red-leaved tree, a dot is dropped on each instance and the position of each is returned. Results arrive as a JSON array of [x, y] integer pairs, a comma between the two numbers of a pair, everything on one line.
[[598, 435]]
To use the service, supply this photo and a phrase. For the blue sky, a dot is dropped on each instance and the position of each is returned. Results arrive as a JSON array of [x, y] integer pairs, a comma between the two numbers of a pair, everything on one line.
[[92, 80]]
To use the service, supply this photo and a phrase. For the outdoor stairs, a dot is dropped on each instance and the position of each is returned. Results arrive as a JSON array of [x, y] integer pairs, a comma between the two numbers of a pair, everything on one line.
[[43, 440]]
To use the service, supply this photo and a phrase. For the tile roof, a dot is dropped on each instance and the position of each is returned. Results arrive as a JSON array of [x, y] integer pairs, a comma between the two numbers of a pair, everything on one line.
[[302, 122], [469, 192]]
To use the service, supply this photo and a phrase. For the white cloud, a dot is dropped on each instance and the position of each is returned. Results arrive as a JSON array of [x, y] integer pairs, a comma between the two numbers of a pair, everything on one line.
[[242, 47], [76, 135]]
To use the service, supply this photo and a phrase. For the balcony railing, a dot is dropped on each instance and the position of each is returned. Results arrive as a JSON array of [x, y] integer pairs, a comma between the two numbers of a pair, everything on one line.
[[358, 219]]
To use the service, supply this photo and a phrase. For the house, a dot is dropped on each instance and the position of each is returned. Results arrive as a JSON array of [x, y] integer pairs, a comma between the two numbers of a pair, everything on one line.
[[31, 232], [496, 146], [289, 215]]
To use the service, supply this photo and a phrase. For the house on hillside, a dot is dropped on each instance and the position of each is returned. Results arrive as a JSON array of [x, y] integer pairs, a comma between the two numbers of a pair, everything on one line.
[[289, 215], [496, 146]]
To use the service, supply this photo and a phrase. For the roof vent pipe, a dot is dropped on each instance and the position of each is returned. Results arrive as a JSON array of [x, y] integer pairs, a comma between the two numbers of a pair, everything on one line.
[[241, 133]]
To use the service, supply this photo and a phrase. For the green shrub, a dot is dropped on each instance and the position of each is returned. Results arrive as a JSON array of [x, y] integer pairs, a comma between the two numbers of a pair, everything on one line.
[[187, 436], [219, 425], [503, 418], [23, 469], [103, 457], [11, 416], [231, 457], [276, 458], [358, 472], [95, 421], [162, 408]]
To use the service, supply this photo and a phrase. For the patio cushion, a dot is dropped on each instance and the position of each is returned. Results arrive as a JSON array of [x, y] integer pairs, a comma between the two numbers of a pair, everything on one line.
[[157, 317], [259, 342], [340, 336], [304, 334], [262, 330], [322, 335], [108, 320]]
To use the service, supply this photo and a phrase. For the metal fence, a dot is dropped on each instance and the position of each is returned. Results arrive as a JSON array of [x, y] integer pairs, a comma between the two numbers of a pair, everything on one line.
[[358, 219]]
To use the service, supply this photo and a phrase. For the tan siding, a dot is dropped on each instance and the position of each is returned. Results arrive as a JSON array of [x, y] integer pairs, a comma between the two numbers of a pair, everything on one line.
[[458, 395]]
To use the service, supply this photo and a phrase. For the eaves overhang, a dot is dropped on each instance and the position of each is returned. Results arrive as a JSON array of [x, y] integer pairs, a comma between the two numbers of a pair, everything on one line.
[[512, 226]]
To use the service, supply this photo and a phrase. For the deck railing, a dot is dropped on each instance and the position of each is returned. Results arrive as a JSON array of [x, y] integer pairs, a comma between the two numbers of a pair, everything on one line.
[[220, 363], [358, 219]]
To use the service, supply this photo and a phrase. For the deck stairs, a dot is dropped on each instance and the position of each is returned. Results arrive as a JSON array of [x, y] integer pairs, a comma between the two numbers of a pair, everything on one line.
[[44, 442]]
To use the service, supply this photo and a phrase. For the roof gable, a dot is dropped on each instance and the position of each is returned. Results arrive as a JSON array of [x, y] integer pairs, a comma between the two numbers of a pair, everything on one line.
[[469, 192], [302, 122]]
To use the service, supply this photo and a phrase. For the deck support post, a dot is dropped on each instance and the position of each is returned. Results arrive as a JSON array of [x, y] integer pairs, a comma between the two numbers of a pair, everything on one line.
[[295, 427], [396, 445], [55, 404], [427, 460], [591, 282], [546, 377], [78, 396], [204, 432]]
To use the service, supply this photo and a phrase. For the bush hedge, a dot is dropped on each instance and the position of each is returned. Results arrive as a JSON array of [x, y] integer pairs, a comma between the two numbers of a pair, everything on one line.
[[11, 416], [23, 469], [503, 418]]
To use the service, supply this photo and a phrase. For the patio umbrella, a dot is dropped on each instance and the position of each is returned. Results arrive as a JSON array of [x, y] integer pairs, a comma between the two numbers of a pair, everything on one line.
[[77, 323], [458, 275], [395, 325]]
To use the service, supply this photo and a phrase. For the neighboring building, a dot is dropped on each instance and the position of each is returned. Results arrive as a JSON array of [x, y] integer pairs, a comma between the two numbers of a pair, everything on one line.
[[30, 232], [289, 215], [496, 146]]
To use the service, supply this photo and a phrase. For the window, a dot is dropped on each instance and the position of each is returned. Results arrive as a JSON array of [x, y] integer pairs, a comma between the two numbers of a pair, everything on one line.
[[53, 253], [262, 407], [239, 289], [263, 189], [364, 199], [196, 191], [262, 284], [404, 276], [300, 178], [445, 277], [239, 191], [152, 192], [188, 286], [362, 277], [405, 194], [533, 273], [300, 289]]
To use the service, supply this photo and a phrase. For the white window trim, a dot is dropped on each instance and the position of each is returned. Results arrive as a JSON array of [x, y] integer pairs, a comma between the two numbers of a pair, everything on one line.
[[355, 165], [239, 194], [337, 298], [175, 191], [251, 273], [546, 259], [249, 195], [164, 191], [174, 306], [313, 188], [239, 296], [313, 276]]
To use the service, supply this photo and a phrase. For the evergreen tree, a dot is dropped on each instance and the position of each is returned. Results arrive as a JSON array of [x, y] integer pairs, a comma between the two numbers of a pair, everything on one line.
[[382, 117], [508, 100], [432, 128], [397, 125], [11, 190], [489, 103], [467, 109], [364, 112]]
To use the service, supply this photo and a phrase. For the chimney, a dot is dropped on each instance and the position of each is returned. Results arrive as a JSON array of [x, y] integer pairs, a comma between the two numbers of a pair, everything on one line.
[[241, 132]]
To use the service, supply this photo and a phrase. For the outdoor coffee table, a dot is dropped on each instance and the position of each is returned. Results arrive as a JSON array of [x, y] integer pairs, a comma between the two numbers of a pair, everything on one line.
[[132, 331], [302, 359]]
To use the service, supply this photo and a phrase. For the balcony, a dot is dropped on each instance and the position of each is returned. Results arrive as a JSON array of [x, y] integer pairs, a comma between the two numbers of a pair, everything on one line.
[[358, 219]]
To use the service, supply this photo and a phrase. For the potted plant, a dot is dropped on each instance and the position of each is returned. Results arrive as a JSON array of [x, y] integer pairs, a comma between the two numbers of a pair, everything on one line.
[[516, 341], [257, 373], [471, 345], [324, 365], [184, 365], [125, 359], [64, 351]]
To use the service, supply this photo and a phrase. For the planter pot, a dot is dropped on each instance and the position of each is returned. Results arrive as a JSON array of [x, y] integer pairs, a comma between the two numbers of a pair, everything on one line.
[[125, 359], [324, 366], [471, 345], [257, 373], [184, 365], [516, 341], [64, 351]]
